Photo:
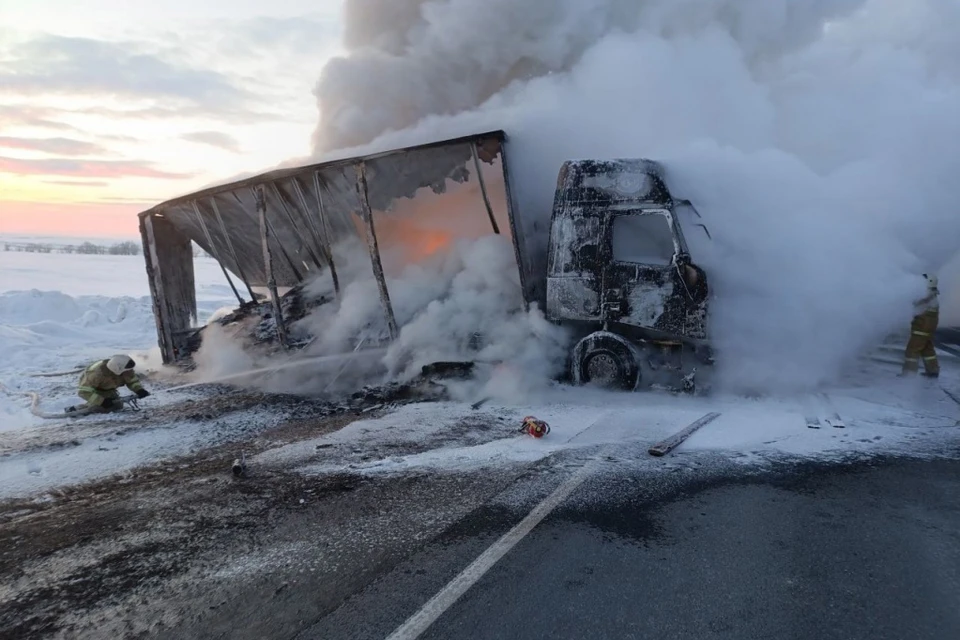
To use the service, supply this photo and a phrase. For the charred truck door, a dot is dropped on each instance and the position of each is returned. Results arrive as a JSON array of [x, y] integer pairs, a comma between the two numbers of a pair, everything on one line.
[[620, 275], [637, 282]]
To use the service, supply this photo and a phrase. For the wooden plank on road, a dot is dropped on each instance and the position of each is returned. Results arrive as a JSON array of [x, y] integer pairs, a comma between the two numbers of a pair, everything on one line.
[[669, 444]]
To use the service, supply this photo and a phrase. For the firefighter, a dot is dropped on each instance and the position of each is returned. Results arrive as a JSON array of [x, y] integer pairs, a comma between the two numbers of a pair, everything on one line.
[[100, 381], [920, 345]]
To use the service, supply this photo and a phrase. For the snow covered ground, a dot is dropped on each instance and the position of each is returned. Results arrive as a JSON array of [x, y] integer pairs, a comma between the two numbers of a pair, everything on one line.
[[882, 414], [58, 312], [103, 276]]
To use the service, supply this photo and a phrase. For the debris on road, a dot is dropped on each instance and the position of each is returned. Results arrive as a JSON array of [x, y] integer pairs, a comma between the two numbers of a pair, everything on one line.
[[832, 417], [534, 427], [240, 465], [669, 444]]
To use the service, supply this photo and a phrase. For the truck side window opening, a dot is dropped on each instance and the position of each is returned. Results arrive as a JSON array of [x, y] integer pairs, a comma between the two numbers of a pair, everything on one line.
[[642, 239]]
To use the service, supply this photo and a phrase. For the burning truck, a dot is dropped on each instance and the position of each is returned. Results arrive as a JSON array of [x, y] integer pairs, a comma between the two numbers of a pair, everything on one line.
[[612, 266]]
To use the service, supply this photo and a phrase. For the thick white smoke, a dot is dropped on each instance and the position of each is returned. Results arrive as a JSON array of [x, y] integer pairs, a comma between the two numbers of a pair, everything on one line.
[[464, 304], [817, 137], [479, 314]]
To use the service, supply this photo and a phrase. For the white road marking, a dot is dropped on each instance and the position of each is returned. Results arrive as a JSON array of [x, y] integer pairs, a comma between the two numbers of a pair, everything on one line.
[[420, 621], [604, 417]]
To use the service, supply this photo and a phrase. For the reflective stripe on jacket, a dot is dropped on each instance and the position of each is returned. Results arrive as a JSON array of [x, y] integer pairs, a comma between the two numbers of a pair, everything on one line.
[[98, 380]]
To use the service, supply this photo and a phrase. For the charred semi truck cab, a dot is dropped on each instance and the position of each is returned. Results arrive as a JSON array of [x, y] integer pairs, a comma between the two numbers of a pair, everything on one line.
[[620, 276]]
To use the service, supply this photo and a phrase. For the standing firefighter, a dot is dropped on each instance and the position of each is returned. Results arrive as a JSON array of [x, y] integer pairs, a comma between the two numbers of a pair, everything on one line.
[[922, 329], [100, 381]]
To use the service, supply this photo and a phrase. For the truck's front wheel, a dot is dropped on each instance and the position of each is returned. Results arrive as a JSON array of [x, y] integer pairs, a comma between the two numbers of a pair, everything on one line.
[[605, 360]]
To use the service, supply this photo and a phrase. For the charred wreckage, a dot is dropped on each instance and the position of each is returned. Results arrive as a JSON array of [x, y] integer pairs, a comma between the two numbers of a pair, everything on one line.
[[610, 263]]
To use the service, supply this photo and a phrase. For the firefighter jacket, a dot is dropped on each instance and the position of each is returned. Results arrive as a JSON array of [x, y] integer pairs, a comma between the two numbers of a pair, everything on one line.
[[929, 304], [97, 382]]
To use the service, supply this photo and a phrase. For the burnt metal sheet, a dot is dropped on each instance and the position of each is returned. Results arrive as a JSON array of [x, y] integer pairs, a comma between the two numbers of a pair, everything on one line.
[[376, 214], [312, 208], [169, 264]]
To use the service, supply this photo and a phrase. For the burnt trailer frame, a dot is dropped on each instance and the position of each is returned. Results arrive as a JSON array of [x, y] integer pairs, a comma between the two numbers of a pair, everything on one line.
[[276, 229]]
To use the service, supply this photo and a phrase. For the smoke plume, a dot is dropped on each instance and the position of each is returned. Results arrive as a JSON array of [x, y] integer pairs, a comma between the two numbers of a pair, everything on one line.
[[463, 304], [817, 138]]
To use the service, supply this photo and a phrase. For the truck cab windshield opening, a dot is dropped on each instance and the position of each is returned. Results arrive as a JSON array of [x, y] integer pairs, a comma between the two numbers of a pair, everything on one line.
[[642, 238]]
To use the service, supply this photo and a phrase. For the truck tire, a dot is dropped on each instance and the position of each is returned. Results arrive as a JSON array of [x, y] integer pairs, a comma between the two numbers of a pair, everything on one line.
[[606, 360]]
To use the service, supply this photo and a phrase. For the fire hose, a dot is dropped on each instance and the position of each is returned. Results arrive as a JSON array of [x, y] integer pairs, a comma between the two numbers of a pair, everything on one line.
[[56, 374], [131, 401]]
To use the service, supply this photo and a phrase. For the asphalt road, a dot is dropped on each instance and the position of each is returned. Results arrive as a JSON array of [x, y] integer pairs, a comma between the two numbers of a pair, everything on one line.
[[950, 335], [948, 338], [865, 550]]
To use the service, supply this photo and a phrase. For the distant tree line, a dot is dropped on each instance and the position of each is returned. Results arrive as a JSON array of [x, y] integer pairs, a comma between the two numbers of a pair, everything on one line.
[[86, 248], [128, 248]]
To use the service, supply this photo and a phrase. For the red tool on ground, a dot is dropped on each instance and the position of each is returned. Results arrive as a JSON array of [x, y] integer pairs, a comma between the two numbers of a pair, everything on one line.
[[534, 427]]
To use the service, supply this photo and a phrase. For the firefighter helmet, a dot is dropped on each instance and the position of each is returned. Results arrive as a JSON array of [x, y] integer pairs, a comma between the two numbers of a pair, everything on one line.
[[120, 363]]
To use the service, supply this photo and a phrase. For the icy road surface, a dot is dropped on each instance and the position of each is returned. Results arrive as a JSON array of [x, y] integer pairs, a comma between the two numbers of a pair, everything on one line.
[[911, 417]]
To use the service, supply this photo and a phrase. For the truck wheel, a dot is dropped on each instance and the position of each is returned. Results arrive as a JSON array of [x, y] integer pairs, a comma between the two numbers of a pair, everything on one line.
[[605, 360]]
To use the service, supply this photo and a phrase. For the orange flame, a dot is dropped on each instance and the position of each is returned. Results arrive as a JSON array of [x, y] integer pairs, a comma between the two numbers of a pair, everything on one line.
[[430, 224]]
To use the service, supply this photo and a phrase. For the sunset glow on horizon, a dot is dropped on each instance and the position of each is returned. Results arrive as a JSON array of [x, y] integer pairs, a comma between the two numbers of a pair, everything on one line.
[[114, 107]]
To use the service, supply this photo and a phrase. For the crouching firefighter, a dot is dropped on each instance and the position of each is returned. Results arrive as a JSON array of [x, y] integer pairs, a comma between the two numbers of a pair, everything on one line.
[[100, 381], [925, 321]]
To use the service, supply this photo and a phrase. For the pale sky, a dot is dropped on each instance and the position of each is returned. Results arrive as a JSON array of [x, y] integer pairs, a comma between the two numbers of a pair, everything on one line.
[[108, 107]]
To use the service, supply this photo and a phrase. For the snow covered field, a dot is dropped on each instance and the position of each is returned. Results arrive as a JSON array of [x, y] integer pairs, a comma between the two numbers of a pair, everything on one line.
[[58, 312]]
